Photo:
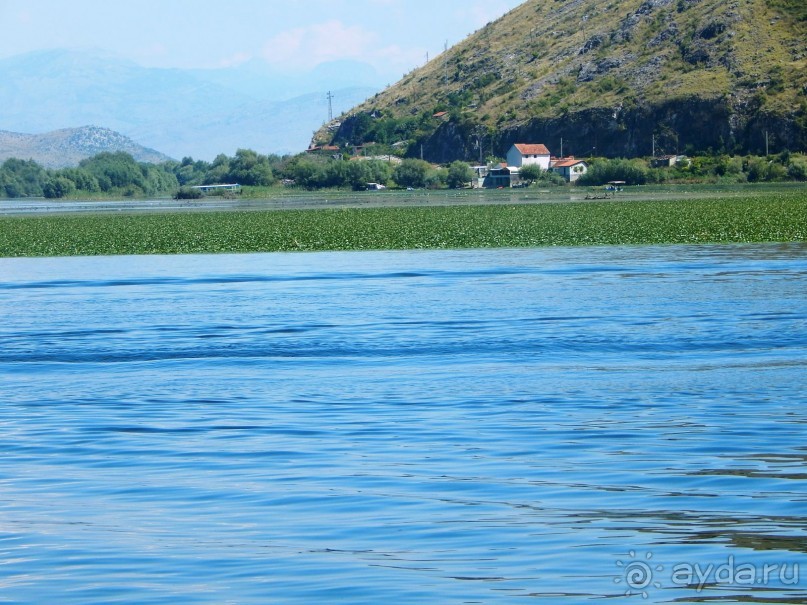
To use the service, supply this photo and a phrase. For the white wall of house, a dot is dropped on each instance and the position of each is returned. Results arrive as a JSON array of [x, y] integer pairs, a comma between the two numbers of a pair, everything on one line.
[[571, 173], [576, 171], [517, 159]]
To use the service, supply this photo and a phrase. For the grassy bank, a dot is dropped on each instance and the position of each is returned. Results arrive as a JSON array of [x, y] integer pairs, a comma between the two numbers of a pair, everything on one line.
[[779, 217]]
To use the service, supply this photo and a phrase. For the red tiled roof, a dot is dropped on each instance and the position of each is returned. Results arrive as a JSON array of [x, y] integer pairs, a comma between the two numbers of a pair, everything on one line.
[[440, 114], [567, 163], [525, 149]]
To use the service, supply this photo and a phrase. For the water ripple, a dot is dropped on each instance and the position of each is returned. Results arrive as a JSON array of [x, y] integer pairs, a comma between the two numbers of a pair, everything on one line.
[[437, 427]]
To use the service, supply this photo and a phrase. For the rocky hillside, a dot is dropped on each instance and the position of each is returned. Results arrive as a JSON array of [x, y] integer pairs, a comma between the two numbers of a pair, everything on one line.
[[67, 147], [608, 78]]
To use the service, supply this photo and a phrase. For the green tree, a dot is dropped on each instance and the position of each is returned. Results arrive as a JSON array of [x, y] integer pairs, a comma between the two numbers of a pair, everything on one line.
[[22, 178], [190, 172], [531, 173], [460, 174], [357, 175], [82, 180], [378, 171], [250, 168], [188, 193], [157, 179], [436, 178], [335, 174], [7, 185], [761, 169], [305, 172], [114, 170], [411, 173], [633, 172], [218, 171], [797, 169], [58, 187]]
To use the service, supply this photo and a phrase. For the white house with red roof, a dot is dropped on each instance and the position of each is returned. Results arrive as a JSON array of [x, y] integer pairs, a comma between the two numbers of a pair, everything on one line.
[[523, 154], [569, 168]]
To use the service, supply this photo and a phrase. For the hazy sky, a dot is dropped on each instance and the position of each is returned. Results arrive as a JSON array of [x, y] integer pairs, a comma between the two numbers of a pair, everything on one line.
[[392, 35]]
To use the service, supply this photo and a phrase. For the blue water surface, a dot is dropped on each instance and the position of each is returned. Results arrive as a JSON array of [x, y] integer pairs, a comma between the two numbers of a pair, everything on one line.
[[509, 426]]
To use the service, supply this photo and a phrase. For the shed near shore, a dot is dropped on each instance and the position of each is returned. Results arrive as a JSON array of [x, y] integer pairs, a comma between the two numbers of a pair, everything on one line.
[[225, 187]]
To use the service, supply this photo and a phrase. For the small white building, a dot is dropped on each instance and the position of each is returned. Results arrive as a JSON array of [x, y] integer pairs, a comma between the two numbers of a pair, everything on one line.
[[570, 168], [667, 161], [480, 172], [523, 154], [218, 188]]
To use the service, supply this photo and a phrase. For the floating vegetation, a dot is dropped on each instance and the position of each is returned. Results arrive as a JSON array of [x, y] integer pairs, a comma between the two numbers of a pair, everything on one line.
[[766, 217]]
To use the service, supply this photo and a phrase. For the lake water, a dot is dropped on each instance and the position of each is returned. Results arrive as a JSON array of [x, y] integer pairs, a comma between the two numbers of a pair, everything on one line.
[[509, 426]]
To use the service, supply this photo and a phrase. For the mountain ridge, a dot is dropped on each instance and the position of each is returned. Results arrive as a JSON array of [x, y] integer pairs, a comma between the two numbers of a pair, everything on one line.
[[607, 78], [66, 147], [182, 112]]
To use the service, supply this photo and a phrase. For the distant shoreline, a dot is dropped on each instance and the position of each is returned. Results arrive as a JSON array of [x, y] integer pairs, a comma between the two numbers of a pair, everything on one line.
[[303, 200], [423, 221]]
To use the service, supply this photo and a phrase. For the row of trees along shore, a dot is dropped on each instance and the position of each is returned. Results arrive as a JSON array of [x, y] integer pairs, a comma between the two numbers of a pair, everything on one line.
[[118, 174]]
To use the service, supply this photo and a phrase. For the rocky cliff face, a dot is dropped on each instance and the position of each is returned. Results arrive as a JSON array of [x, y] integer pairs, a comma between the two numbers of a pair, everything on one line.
[[608, 79], [686, 125]]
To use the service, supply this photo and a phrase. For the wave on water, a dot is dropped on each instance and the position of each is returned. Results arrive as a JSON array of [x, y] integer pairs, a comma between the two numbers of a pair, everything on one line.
[[439, 427]]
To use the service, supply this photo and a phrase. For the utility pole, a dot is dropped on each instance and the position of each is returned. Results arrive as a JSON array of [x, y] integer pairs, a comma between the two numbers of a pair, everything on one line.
[[479, 144], [561, 147], [766, 143], [330, 107], [654, 145]]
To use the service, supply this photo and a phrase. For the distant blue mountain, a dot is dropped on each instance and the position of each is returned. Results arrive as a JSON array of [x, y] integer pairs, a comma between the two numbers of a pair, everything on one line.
[[265, 126], [198, 113], [258, 80], [68, 146]]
